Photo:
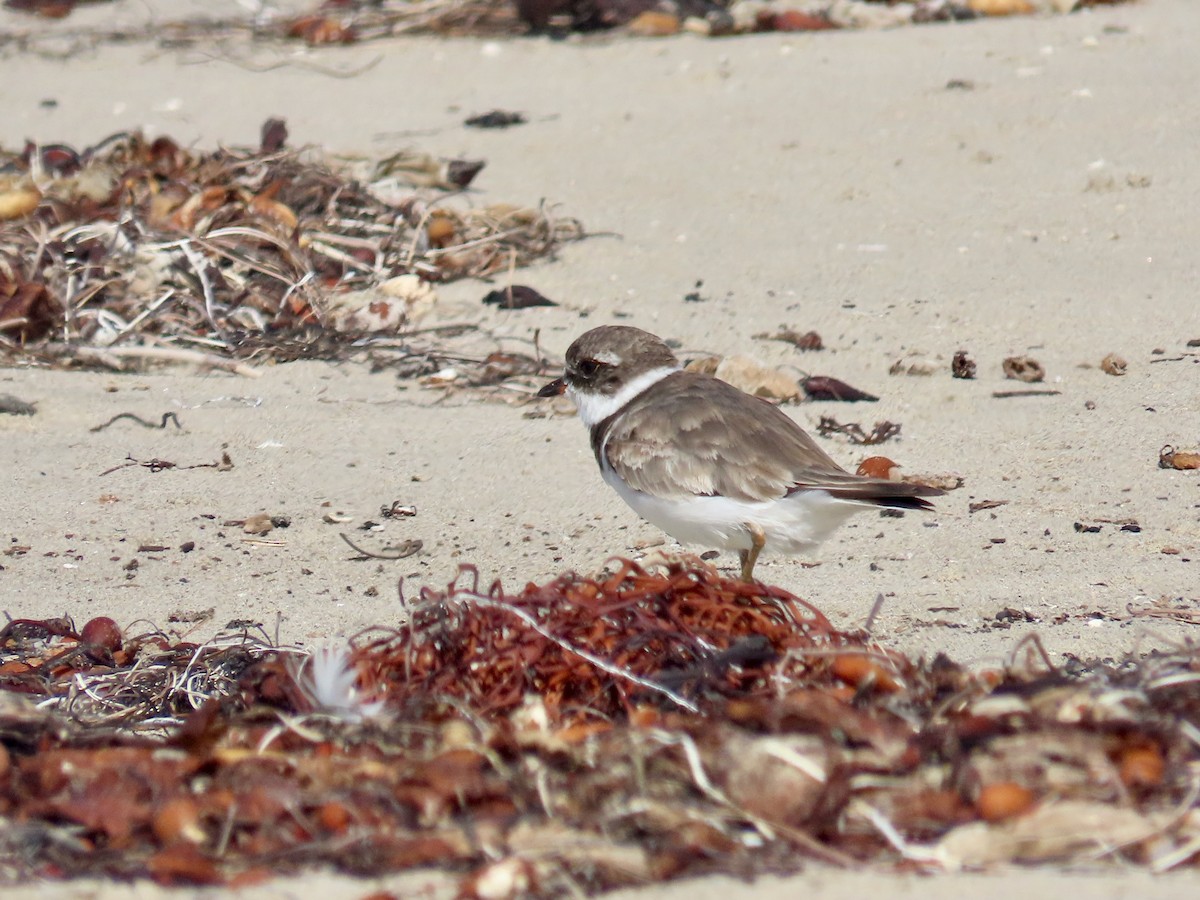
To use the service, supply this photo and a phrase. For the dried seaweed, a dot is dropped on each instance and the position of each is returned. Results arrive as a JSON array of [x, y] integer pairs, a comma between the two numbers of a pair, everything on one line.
[[348, 22], [140, 250], [577, 736], [687, 635], [344, 22], [883, 431]]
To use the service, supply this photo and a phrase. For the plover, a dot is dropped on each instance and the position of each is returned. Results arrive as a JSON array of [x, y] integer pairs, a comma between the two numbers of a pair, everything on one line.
[[707, 463]]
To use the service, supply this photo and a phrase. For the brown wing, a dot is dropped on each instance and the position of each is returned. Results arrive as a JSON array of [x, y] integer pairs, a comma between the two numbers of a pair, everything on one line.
[[676, 441]]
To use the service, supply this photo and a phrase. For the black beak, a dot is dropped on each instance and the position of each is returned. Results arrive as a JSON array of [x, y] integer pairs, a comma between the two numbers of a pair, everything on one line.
[[553, 389]]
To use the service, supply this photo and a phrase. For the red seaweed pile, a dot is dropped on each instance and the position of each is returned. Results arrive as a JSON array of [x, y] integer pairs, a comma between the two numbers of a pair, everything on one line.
[[577, 736]]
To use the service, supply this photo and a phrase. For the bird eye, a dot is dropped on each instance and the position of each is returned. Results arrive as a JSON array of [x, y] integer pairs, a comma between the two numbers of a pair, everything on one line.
[[588, 367]]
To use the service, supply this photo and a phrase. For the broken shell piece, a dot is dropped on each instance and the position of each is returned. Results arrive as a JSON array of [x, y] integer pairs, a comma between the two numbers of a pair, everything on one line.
[[422, 170], [396, 302], [1170, 458], [704, 365], [418, 296], [259, 523], [781, 777], [506, 878], [749, 375], [95, 183], [1023, 368], [1001, 7], [746, 13], [653, 23], [915, 365], [859, 14], [18, 202], [1052, 831], [945, 482], [356, 311], [1113, 364], [442, 377]]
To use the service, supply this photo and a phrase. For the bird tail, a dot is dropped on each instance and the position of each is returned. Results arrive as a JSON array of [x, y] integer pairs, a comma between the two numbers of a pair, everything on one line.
[[888, 494]]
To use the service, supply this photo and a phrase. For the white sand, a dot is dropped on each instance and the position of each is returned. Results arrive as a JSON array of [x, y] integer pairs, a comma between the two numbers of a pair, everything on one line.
[[827, 182]]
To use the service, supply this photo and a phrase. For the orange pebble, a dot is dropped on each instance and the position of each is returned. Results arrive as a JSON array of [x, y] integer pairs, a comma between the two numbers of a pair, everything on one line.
[[178, 821], [1142, 767], [653, 23], [102, 632], [857, 669], [334, 817], [1004, 800], [795, 20], [440, 230], [877, 467]]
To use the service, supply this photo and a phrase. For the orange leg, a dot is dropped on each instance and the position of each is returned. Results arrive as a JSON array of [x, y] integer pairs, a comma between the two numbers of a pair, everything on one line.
[[749, 557]]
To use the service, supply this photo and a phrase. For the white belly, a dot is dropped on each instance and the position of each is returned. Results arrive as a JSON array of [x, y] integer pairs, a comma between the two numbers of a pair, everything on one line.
[[794, 524]]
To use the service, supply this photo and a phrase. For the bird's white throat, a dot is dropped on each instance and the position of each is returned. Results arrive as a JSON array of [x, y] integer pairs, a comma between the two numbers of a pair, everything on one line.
[[595, 408]]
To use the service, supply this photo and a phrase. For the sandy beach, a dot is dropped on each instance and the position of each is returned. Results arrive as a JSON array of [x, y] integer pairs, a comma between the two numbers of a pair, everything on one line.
[[1005, 187]]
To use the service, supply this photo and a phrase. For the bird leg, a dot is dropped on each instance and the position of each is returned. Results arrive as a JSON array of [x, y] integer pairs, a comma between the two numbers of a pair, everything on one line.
[[749, 557]]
